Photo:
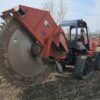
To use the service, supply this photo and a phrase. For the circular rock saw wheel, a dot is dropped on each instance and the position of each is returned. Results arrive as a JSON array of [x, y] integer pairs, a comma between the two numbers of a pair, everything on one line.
[[17, 64]]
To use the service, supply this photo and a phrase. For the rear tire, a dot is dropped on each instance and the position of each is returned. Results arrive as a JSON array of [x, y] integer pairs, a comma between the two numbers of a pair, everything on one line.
[[84, 67], [97, 61]]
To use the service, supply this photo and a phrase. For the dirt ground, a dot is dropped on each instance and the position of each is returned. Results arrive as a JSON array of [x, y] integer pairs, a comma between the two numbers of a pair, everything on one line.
[[55, 87]]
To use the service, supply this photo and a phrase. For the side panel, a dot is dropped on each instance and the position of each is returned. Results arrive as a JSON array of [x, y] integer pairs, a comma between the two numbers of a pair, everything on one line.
[[41, 26]]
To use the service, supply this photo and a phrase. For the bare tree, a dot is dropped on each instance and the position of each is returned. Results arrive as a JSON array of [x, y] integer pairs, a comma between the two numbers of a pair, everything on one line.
[[57, 10], [61, 12], [49, 6]]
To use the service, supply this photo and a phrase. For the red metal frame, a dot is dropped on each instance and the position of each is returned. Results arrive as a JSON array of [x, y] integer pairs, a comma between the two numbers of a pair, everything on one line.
[[42, 27]]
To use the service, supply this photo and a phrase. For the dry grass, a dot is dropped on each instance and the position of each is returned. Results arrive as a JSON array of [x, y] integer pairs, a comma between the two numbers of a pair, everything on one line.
[[55, 87]]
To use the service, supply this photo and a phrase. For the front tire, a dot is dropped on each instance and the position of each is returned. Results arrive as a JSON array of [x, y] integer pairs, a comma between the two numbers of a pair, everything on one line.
[[84, 67]]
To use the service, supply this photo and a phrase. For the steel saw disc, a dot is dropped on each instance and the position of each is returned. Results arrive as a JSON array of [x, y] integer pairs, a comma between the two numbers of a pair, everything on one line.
[[16, 58]]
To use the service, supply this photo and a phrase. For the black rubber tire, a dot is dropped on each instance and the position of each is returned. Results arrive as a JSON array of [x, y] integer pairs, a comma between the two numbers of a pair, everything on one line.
[[97, 61], [84, 67]]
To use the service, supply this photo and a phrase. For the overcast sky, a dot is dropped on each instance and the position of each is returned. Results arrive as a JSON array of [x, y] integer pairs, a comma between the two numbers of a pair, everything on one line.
[[88, 10]]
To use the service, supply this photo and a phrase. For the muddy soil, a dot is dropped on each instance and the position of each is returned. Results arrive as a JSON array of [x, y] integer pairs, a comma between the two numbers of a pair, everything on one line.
[[55, 87]]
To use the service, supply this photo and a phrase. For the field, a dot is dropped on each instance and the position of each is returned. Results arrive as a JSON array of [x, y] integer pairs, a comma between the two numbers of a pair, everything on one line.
[[55, 87]]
